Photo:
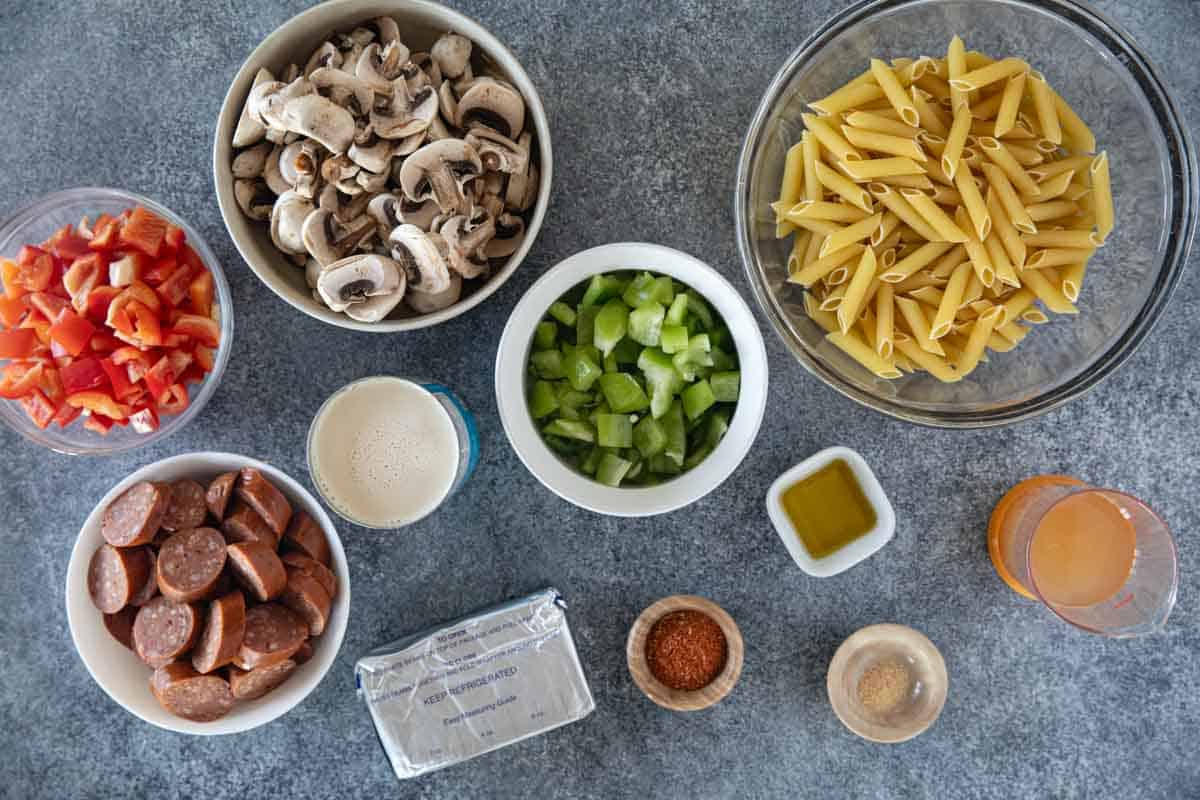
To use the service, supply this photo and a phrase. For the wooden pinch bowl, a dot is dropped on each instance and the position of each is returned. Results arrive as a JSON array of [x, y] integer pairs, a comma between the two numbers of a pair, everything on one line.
[[677, 699]]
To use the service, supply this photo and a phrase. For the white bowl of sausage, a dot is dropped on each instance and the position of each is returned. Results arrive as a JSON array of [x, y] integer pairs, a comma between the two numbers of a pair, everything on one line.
[[126, 679]]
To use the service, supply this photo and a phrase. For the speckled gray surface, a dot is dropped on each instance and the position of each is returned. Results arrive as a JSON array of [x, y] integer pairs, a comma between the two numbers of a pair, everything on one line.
[[648, 104]]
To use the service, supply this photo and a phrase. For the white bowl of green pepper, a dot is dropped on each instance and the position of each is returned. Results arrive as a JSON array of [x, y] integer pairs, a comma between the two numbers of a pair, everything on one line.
[[631, 379]]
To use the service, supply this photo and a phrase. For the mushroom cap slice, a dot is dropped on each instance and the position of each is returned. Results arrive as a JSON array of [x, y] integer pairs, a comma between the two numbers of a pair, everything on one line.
[[378, 66], [420, 213], [427, 302], [498, 153], [464, 240], [384, 210], [249, 130], [300, 165], [418, 255], [410, 113], [374, 309], [375, 156], [342, 87], [287, 222], [439, 170], [271, 172], [254, 198], [321, 119], [510, 233], [451, 53], [389, 30], [355, 278], [493, 104], [250, 162], [327, 55]]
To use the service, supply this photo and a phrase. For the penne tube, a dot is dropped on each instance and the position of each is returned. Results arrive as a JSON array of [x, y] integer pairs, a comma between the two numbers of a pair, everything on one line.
[[821, 226], [884, 321], [879, 123], [857, 349], [956, 139], [980, 261], [907, 181], [1013, 332], [811, 154], [934, 86], [812, 252], [1007, 197], [1024, 155], [972, 200], [1048, 287], [827, 320], [914, 262], [833, 300], [929, 295], [1010, 104], [918, 325], [1078, 238], [1051, 168], [1047, 148], [999, 344], [906, 147], [816, 270], [886, 225], [1102, 195], [854, 296], [1043, 104], [930, 114], [1017, 303], [918, 280], [843, 187], [836, 212], [956, 67], [1003, 227], [981, 331], [945, 196], [934, 144], [997, 71], [795, 260], [892, 200], [933, 364], [1034, 316], [985, 110], [872, 168], [951, 299], [888, 257], [945, 265], [1051, 188], [1076, 133], [1058, 256], [1076, 192], [889, 242], [894, 91], [837, 277], [851, 234], [999, 155], [1005, 273], [939, 220], [974, 290], [793, 175], [847, 97], [1040, 212], [829, 138], [1072, 279]]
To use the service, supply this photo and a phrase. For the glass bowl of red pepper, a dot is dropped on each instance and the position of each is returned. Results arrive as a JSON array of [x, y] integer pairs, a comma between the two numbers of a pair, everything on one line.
[[116, 321]]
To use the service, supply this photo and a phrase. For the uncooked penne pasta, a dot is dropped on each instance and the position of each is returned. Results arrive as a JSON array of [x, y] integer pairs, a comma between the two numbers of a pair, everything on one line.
[[947, 229], [835, 212], [918, 325], [1055, 209], [886, 225], [1008, 199], [918, 280], [879, 123], [884, 321], [956, 139], [1072, 279], [1075, 131], [1010, 104], [1034, 316], [1051, 188], [833, 300], [952, 297], [796, 257], [915, 262], [907, 181], [976, 342], [985, 110], [855, 295], [814, 271], [894, 91], [830, 138], [1082, 239], [935, 365], [827, 320], [872, 168], [980, 261], [1102, 195], [929, 113], [1017, 303], [1003, 227], [810, 154], [857, 349], [847, 97], [956, 66], [906, 147], [996, 71], [1005, 273], [945, 196], [1048, 287], [946, 264], [998, 154], [851, 234], [892, 200], [1058, 256], [973, 201], [843, 187]]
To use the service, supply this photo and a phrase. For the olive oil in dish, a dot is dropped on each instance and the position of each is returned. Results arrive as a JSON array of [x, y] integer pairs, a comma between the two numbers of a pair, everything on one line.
[[383, 452], [828, 509]]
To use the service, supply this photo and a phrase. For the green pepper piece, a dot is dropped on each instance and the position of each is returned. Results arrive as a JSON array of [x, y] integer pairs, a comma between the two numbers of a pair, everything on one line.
[[716, 425], [580, 369], [639, 291], [695, 356], [635, 470], [611, 325], [563, 313], [664, 290], [627, 351], [585, 321], [720, 336], [600, 289], [677, 313], [722, 361], [674, 338], [672, 423], [661, 378], [696, 456], [542, 399], [649, 437], [725, 385], [591, 461], [645, 323], [611, 469], [571, 429], [610, 362], [700, 309], [565, 447], [663, 465], [623, 393], [545, 336], [614, 430], [547, 364], [697, 399]]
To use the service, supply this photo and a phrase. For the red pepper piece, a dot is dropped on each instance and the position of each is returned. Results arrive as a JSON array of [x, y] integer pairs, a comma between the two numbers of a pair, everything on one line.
[[174, 400], [106, 233], [204, 330], [52, 385], [10, 273], [12, 311], [84, 274], [20, 378], [67, 244], [98, 423], [175, 288], [83, 374], [160, 270], [175, 237], [72, 331], [159, 377], [99, 403], [201, 292], [144, 230], [35, 268], [49, 305], [38, 323], [147, 331], [144, 420], [98, 302], [17, 344], [105, 343], [118, 378], [66, 414], [38, 407], [204, 357]]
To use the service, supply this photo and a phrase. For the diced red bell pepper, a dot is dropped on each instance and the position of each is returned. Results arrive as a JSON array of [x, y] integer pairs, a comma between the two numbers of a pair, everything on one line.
[[104, 342], [176, 340], [72, 331], [105, 233], [179, 360], [38, 407], [187, 255], [174, 400], [83, 374], [175, 237], [50, 305], [118, 378], [159, 377], [144, 230], [160, 270], [84, 274], [98, 423], [204, 330], [145, 295], [20, 378], [201, 292], [193, 374], [52, 385], [67, 244], [66, 414], [98, 302], [146, 329], [59, 353], [175, 288], [126, 354], [37, 322], [17, 344], [136, 370], [144, 420], [99, 403], [10, 274], [11, 311], [204, 357], [35, 268]]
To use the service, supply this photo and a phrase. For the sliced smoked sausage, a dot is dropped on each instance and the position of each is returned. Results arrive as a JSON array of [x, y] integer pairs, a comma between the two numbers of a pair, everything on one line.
[[304, 653], [188, 694], [116, 576], [306, 536], [223, 631], [163, 631], [135, 516], [185, 506], [257, 682], [313, 568], [218, 494], [120, 625], [307, 597], [245, 525], [258, 569], [190, 564], [261, 495], [150, 588], [273, 633]]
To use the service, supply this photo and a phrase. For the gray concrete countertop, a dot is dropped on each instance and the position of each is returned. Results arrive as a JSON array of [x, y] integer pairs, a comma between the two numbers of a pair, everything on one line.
[[648, 104]]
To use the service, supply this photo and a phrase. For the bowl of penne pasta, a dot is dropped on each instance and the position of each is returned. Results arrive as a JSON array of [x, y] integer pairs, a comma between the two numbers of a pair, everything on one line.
[[965, 213]]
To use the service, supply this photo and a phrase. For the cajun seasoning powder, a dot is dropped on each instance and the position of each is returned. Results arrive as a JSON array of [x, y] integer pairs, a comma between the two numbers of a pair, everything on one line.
[[686, 650]]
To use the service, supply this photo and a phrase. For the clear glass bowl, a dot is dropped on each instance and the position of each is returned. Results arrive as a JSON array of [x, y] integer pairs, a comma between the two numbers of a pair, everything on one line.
[[1103, 74], [35, 223]]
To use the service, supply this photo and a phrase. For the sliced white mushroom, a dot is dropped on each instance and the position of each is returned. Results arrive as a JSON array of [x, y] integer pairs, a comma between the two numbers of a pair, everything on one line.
[[407, 114], [465, 241], [498, 153], [287, 221], [378, 66], [250, 162], [371, 182], [510, 233], [427, 303], [355, 278], [439, 170], [328, 241], [411, 144], [374, 156], [384, 210], [344, 89], [268, 100], [250, 130], [522, 186], [312, 271], [290, 73], [327, 55], [438, 130], [464, 81], [375, 309], [359, 37], [451, 53], [418, 255], [272, 174], [493, 104], [254, 199], [299, 166], [421, 214], [321, 119], [389, 30]]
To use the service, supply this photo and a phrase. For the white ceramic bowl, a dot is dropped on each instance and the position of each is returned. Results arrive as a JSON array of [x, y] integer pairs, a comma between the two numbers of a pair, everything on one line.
[[421, 23], [126, 679], [580, 489], [861, 548]]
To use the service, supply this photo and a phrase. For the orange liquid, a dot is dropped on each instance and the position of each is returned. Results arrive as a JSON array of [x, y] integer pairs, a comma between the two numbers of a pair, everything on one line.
[[1082, 551]]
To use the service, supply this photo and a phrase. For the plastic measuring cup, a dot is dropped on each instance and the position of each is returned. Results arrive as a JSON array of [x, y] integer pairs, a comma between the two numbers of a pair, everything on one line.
[[1100, 559]]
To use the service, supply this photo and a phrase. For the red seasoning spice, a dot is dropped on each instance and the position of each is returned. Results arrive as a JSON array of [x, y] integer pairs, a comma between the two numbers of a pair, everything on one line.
[[686, 650]]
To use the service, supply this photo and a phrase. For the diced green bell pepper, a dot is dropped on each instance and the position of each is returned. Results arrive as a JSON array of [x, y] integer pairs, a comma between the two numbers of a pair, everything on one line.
[[722, 361], [696, 456], [571, 429], [542, 399], [614, 430], [545, 336], [591, 461], [645, 323], [725, 385], [700, 309], [696, 355], [585, 323], [580, 369], [601, 289], [720, 337], [610, 362], [674, 338], [623, 393], [662, 379], [677, 313], [563, 313], [547, 364], [636, 470], [716, 425], [663, 465], [672, 423], [627, 351], [697, 399], [639, 291], [611, 324], [649, 437], [612, 469]]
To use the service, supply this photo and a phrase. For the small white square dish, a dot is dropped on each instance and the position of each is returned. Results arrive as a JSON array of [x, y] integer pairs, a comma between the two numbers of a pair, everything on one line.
[[854, 551]]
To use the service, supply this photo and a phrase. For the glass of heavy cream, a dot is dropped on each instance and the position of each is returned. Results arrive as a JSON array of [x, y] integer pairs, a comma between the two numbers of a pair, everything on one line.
[[385, 452]]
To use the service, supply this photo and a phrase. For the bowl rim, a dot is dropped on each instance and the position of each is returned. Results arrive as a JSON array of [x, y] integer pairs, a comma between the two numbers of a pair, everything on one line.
[[224, 295], [579, 489], [1184, 184], [264, 709], [231, 107]]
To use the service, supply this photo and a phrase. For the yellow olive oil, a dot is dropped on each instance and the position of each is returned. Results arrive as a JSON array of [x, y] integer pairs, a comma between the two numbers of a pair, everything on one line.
[[828, 509]]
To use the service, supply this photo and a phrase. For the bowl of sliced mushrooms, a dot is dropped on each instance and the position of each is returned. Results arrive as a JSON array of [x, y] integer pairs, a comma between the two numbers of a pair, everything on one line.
[[382, 166]]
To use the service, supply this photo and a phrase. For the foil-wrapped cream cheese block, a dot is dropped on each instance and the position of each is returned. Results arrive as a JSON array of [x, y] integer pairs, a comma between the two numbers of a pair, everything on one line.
[[467, 687]]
